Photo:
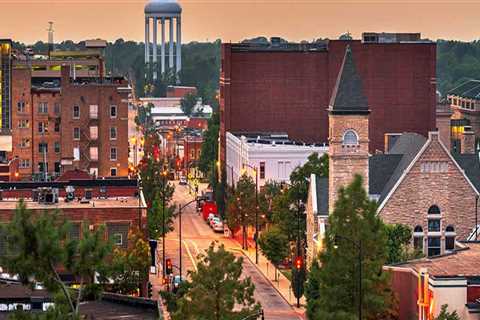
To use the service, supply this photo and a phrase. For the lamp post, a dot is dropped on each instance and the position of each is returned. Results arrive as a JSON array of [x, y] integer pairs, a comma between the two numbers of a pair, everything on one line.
[[164, 176], [358, 245], [256, 210]]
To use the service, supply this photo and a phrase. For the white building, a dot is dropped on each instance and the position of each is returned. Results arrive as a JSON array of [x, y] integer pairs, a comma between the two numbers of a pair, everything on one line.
[[274, 155]]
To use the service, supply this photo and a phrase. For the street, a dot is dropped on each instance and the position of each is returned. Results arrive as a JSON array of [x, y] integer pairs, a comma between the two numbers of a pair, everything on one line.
[[197, 236]]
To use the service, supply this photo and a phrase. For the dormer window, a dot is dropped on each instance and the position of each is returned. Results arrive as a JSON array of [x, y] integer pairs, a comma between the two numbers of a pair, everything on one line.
[[350, 138]]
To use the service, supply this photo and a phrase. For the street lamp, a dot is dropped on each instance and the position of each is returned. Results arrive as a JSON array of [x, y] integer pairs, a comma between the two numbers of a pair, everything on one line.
[[256, 210], [358, 245]]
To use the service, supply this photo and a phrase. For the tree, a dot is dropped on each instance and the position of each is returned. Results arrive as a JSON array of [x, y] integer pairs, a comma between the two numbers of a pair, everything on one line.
[[37, 246], [241, 207], [312, 290], [274, 245], [157, 216], [445, 315], [188, 103], [215, 290], [354, 228], [129, 267], [300, 177], [154, 183], [209, 151], [398, 244]]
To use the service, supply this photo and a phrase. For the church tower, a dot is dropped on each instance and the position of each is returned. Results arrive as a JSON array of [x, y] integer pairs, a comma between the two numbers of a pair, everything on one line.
[[348, 129]]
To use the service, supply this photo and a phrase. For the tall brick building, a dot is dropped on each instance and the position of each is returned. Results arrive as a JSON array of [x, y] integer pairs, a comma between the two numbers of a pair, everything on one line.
[[65, 114], [280, 87]]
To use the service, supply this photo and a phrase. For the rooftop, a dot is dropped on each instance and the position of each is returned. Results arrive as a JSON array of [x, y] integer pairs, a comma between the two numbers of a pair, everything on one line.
[[96, 203], [469, 89], [163, 7], [462, 263], [273, 138]]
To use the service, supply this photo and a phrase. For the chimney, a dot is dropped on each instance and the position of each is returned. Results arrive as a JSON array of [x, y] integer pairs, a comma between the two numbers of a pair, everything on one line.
[[467, 141], [65, 81]]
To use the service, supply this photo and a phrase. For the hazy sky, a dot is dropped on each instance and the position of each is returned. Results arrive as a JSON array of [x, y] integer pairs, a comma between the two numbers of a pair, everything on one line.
[[233, 20]]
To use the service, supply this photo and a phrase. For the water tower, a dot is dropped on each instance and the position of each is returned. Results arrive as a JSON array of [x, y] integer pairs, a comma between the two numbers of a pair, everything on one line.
[[168, 13]]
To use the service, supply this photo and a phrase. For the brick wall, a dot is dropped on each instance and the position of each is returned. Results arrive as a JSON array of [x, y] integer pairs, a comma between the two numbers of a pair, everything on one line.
[[418, 191]]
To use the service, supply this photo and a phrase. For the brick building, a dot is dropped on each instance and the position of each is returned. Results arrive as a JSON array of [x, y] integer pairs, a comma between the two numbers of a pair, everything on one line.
[[275, 87], [67, 115], [114, 203], [417, 183]]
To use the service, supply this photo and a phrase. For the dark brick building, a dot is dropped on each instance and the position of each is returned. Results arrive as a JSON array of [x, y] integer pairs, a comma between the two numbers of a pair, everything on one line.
[[286, 87]]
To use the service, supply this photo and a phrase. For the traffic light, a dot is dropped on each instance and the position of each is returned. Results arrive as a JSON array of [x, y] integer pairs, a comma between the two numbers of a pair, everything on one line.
[[149, 289], [298, 263], [169, 266]]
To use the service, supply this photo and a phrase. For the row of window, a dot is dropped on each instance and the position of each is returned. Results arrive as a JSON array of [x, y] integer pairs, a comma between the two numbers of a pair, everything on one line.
[[463, 103], [93, 153], [94, 133], [434, 166], [25, 164], [42, 108], [41, 125]]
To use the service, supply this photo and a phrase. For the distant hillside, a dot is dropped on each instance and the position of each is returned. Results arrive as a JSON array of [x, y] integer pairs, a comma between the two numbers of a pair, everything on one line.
[[456, 61]]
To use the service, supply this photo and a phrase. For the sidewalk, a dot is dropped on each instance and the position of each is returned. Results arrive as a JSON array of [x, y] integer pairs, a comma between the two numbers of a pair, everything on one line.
[[283, 285]]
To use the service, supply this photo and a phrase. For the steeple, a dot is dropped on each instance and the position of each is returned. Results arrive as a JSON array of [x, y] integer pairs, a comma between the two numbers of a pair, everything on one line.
[[347, 96]]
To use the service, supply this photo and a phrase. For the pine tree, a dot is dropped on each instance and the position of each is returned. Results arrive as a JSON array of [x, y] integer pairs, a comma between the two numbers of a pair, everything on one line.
[[216, 291], [355, 231]]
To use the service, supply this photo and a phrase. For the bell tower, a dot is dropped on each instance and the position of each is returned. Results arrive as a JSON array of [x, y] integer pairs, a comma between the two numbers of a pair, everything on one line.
[[348, 129]]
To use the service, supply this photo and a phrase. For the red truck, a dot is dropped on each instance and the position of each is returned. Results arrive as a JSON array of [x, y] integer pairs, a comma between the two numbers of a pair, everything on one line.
[[207, 208]]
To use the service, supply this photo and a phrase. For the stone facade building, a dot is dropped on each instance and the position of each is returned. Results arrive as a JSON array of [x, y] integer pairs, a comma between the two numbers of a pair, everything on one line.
[[418, 182]]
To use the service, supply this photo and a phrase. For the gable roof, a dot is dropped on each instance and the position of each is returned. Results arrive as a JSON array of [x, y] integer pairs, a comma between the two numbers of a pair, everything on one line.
[[469, 89], [470, 163], [347, 96], [407, 146], [381, 168]]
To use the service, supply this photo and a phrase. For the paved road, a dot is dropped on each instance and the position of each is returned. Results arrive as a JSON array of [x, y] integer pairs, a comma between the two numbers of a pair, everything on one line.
[[197, 236]]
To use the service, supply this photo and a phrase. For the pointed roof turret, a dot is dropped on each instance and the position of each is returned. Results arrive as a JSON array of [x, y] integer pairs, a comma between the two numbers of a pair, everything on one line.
[[347, 96]]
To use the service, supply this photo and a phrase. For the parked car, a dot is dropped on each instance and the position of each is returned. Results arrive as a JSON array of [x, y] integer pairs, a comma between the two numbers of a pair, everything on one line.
[[183, 180], [214, 220], [176, 281], [218, 227], [211, 215]]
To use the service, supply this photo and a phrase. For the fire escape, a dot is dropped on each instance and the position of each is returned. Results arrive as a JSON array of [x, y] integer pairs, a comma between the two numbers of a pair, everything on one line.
[[88, 140]]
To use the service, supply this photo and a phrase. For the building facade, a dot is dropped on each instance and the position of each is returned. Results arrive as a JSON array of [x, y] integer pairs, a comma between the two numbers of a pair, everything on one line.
[[62, 121], [273, 155], [274, 87]]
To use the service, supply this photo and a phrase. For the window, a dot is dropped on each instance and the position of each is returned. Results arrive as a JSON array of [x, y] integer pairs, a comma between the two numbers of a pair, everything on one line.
[[24, 163], [57, 125], [433, 166], [23, 124], [113, 172], [25, 143], [76, 154], [94, 172], [113, 111], [433, 225], [350, 138], [56, 168], [113, 153], [21, 106], [94, 133], [433, 246], [93, 111], [434, 210], [450, 238], [42, 166], [94, 153], [76, 133], [43, 147], [192, 154], [56, 146], [418, 229], [42, 127], [418, 238], [76, 112], [262, 170], [43, 107], [113, 133], [117, 239], [56, 108]]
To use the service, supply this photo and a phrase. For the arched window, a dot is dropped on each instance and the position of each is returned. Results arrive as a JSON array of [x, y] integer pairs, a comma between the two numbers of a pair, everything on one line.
[[350, 138], [450, 238], [418, 229], [434, 210]]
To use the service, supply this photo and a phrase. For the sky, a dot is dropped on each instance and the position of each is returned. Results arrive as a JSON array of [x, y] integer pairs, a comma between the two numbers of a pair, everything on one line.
[[235, 20]]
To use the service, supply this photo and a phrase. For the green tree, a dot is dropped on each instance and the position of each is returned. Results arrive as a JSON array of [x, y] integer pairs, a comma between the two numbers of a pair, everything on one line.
[[188, 103], [129, 267], [215, 290], [154, 182], [156, 217], [274, 245], [39, 245], [445, 315], [209, 152], [312, 290], [300, 177], [398, 244], [241, 207], [354, 230]]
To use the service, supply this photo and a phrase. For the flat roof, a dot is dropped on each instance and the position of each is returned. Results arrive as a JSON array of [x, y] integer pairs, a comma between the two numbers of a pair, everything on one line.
[[462, 263], [111, 202]]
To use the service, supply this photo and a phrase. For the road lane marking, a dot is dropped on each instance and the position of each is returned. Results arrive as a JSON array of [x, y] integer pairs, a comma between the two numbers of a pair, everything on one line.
[[190, 255]]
